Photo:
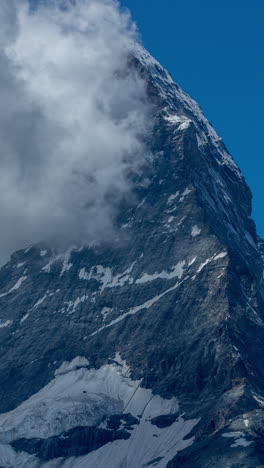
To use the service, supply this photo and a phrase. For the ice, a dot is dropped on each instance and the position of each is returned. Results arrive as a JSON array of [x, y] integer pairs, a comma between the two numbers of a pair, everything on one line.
[[62, 404], [75, 397], [10, 459]]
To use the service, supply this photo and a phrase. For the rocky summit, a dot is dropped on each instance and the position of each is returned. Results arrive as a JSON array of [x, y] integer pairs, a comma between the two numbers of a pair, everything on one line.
[[146, 351]]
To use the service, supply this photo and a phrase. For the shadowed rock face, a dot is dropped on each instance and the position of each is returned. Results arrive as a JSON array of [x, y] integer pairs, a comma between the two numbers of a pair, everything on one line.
[[177, 296], [76, 442]]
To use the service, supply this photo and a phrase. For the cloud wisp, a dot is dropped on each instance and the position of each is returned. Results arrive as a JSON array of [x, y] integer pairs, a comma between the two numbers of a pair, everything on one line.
[[72, 119]]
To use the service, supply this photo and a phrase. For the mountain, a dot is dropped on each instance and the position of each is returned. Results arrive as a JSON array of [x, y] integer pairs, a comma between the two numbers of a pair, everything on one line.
[[146, 352]]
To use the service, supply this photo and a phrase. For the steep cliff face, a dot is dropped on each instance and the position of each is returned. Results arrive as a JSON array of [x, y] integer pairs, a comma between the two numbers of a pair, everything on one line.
[[148, 351]]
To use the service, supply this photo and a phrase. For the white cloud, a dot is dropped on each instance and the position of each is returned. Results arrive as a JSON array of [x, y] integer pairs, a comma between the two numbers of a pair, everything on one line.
[[71, 120]]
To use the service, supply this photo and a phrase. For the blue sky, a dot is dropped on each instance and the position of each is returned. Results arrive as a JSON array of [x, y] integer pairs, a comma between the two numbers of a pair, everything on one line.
[[214, 50]]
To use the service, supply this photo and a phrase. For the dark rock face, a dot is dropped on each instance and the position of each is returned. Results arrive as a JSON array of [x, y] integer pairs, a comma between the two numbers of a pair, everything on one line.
[[164, 421], [76, 442], [178, 294]]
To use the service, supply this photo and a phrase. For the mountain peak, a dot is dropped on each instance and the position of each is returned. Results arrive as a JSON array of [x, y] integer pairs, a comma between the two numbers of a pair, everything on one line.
[[146, 350], [179, 105]]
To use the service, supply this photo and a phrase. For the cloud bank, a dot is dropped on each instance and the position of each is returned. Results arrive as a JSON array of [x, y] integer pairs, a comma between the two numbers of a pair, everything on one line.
[[71, 120]]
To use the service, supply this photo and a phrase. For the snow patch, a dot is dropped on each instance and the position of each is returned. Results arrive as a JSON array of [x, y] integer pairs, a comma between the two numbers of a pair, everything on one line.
[[239, 439], [246, 422], [184, 194], [195, 231], [43, 253], [105, 276], [209, 260], [83, 275], [192, 261], [177, 272], [72, 305], [220, 255], [259, 399], [201, 267], [62, 258], [24, 318], [180, 120], [15, 287], [39, 302], [242, 442], [6, 323], [173, 197], [66, 265], [105, 312], [250, 240]]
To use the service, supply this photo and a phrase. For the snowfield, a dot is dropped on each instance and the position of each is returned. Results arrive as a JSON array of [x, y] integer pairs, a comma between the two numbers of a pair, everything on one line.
[[78, 396]]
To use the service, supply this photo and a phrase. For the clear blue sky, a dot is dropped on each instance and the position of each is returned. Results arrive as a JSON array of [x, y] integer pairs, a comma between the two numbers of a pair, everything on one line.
[[214, 50]]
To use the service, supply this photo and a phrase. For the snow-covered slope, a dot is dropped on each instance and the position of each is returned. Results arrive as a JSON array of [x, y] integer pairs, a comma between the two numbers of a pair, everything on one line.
[[148, 352], [148, 427]]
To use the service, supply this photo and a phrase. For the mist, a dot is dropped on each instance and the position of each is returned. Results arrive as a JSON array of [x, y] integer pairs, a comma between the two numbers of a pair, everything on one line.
[[72, 120]]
